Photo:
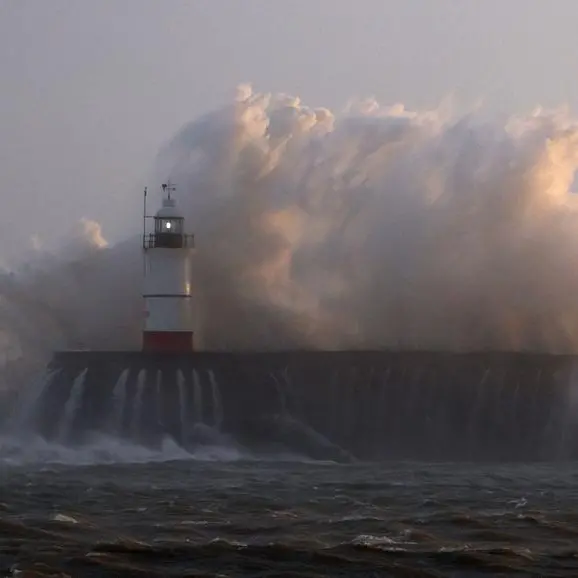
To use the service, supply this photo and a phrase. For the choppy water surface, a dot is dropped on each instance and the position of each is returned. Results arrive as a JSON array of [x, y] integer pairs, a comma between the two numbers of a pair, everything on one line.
[[246, 517]]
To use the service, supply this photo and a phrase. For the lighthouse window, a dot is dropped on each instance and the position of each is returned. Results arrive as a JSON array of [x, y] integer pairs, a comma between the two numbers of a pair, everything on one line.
[[169, 226]]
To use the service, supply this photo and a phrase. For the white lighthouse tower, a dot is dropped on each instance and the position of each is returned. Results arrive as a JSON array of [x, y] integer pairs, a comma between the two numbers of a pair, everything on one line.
[[169, 322]]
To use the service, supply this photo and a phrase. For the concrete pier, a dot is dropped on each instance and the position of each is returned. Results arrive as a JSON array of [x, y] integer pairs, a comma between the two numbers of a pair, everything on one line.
[[367, 404]]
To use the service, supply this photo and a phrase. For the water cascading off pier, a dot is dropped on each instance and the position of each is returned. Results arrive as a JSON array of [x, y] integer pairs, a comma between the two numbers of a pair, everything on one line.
[[328, 405]]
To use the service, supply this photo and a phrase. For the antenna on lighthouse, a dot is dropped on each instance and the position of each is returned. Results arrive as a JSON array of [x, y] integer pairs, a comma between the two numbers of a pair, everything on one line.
[[144, 214]]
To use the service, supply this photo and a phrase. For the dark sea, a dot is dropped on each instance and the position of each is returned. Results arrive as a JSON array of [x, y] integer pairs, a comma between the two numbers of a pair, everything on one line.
[[121, 511]]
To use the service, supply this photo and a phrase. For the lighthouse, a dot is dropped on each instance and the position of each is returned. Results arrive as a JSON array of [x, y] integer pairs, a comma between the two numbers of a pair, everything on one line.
[[168, 309]]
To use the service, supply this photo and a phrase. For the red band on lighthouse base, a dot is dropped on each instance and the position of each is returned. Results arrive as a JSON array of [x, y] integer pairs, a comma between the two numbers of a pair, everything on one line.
[[168, 341]]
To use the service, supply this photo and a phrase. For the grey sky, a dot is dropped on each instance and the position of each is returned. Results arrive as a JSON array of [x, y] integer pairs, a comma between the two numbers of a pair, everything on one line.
[[91, 89]]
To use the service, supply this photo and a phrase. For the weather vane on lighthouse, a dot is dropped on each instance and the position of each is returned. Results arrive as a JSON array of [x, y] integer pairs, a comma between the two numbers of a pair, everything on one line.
[[169, 323]]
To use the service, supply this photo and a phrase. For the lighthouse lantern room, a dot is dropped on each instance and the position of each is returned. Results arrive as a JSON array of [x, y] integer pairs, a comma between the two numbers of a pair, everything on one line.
[[169, 324]]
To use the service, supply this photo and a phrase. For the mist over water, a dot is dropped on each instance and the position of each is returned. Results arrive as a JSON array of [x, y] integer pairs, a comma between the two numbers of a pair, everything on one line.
[[101, 450], [375, 227]]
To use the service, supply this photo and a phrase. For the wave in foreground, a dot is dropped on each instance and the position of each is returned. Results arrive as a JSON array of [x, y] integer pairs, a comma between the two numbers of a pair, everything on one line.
[[251, 519]]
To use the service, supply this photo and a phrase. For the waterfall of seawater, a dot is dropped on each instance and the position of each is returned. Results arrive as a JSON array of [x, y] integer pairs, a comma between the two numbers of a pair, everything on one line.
[[182, 406], [197, 398], [566, 422], [281, 395], [71, 407], [138, 405], [477, 405], [292, 402], [508, 407], [291, 429], [332, 406], [217, 402], [23, 415], [118, 405], [159, 399]]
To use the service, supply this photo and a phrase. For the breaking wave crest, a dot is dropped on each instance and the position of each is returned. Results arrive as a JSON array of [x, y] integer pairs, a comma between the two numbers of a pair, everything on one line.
[[376, 227]]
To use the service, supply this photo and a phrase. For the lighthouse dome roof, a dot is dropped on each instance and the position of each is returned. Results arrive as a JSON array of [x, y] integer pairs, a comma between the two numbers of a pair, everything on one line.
[[169, 210]]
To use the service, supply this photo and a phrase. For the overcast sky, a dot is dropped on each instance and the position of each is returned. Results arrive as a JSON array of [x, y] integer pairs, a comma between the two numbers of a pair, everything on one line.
[[92, 89]]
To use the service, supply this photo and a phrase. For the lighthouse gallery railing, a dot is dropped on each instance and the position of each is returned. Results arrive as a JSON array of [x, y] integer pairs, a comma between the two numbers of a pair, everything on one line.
[[168, 241]]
